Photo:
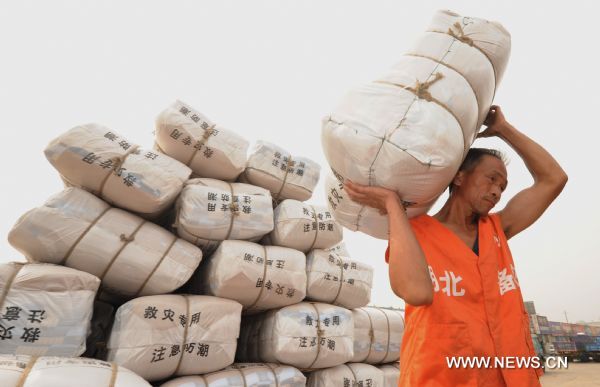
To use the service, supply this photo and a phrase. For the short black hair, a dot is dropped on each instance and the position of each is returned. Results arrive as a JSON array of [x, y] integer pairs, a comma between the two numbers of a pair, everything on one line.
[[473, 158]]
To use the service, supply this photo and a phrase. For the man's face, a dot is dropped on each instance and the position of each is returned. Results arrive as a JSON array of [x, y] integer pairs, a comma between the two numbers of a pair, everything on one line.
[[483, 186]]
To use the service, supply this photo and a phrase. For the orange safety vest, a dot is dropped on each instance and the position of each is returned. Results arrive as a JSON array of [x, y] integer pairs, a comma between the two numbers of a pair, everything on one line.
[[477, 311]]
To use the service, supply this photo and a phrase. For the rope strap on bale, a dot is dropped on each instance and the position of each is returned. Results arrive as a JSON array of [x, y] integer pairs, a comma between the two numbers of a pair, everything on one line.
[[387, 320], [26, 371], [320, 334], [314, 216], [158, 263], [114, 368], [264, 279], [289, 164], [117, 161], [5, 289], [460, 34], [274, 373], [371, 334], [242, 375], [85, 232], [202, 142], [355, 382], [339, 291], [234, 208], [421, 89], [185, 333], [126, 239]]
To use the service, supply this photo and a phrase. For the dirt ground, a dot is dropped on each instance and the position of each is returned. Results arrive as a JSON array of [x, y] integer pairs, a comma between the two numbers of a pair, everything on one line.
[[577, 375]]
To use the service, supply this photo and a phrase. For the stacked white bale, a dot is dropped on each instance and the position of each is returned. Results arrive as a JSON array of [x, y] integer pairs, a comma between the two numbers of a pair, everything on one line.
[[377, 335], [305, 335], [351, 374], [409, 130], [210, 211], [245, 374], [304, 227], [391, 374], [130, 255], [208, 149], [286, 176], [45, 309], [339, 249], [258, 277], [338, 280], [48, 371], [99, 160], [175, 335]]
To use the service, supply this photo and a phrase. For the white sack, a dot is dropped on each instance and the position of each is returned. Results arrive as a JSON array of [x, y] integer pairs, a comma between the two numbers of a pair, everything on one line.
[[286, 176], [245, 375], [338, 280], [258, 277], [339, 249], [45, 309], [175, 335], [47, 371], [351, 374], [377, 335], [130, 255], [410, 129], [304, 227], [98, 160], [208, 149], [210, 211], [305, 335], [391, 374]]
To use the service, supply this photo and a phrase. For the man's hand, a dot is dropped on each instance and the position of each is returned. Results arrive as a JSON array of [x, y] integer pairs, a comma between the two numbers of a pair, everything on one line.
[[495, 122], [377, 197]]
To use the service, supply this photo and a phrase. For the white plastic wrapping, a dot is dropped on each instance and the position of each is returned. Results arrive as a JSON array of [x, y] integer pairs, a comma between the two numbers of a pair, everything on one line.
[[305, 335], [45, 309], [339, 249], [391, 374], [409, 130], [175, 335], [130, 255], [245, 375], [258, 277], [210, 211], [208, 149], [48, 371], [304, 227], [338, 280], [103, 162], [377, 335], [351, 374], [286, 176]]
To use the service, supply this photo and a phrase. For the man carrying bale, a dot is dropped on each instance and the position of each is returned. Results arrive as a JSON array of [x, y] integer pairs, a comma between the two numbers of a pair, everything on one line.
[[455, 271]]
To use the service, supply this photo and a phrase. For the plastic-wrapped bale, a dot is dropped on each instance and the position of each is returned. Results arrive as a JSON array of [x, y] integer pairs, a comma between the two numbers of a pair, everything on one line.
[[45, 309], [286, 176], [338, 280], [258, 277], [98, 160], [304, 227], [100, 327], [175, 335], [130, 255], [351, 374], [245, 374], [391, 374], [210, 211], [410, 129], [377, 335], [208, 149], [305, 335], [339, 249], [50, 371]]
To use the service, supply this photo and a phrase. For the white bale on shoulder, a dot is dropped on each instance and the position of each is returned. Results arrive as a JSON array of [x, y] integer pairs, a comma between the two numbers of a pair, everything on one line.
[[377, 335], [409, 130], [210, 211], [258, 277], [46, 309], [304, 227], [245, 374], [208, 149], [305, 335], [351, 374], [175, 335], [105, 163], [50, 371], [391, 374], [286, 176], [338, 280], [131, 256]]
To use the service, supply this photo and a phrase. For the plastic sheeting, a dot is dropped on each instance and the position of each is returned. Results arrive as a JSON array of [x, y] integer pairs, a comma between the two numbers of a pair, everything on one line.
[[410, 129], [130, 255]]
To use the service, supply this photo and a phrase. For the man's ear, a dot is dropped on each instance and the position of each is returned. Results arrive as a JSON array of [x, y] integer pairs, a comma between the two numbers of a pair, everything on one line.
[[458, 179]]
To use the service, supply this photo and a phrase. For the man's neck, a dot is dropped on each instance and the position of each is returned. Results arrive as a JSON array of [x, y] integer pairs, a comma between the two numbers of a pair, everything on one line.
[[457, 213]]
